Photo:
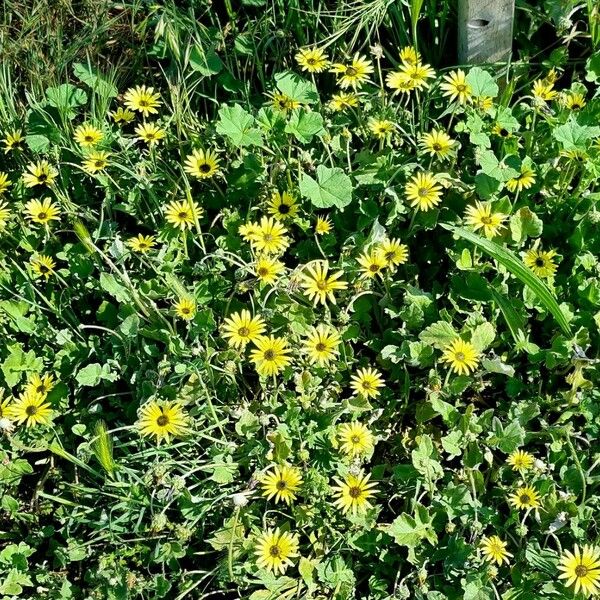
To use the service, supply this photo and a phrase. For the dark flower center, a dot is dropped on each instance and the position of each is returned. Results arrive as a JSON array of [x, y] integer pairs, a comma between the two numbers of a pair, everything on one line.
[[267, 237], [284, 209], [436, 147], [89, 138], [204, 168], [461, 87], [366, 385], [243, 332], [275, 551], [321, 284], [182, 215], [41, 389], [281, 485], [43, 269], [320, 347], [311, 61], [373, 268], [539, 262], [460, 356], [144, 103], [422, 192], [355, 439], [354, 492], [269, 355], [351, 72], [42, 215], [504, 132], [31, 410], [162, 420], [581, 571], [525, 498], [263, 272], [42, 176]]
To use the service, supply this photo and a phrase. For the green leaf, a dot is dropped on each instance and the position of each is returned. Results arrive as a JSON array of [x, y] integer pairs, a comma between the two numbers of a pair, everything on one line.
[[519, 270], [483, 335], [525, 223], [109, 283], [90, 375], [424, 459], [482, 83], [410, 531], [574, 136], [491, 166], [19, 362], [206, 62], [303, 125], [508, 438], [238, 125], [98, 83], [438, 334], [475, 591], [65, 98], [296, 88], [332, 187]]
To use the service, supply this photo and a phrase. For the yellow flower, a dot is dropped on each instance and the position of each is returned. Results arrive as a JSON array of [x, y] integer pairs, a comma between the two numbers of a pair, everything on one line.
[[30, 409], [543, 91], [313, 60], [162, 421], [269, 237], [574, 101], [372, 263], [462, 356], [318, 286], [87, 135], [270, 355], [43, 266], [282, 206], [525, 498], [353, 493], [343, 100], [523, 182], [400, 82], [13, 141], [4, 182], [520, 460], [142, 99], [321, 344], [4, 214], [282, 102], [455, 87], [393, 252], [494, 550], [281, 483], [185, 308], [381, 128], [437, 143], [541, 262], [42, 212], [409, 56], [182, 213], [267, 269], [96, 161], [354, 74], [122, 115], [356, 438], [418, 74], [4, 407], [581, 568], [241, 328], [481, 216], [202, 164], [141, 243], [275, 550], [367, 382], [38, 384], [323, 225], [150, 133], [249, 231], [484, 102], [501, 131], [40, 173], [423, 191]]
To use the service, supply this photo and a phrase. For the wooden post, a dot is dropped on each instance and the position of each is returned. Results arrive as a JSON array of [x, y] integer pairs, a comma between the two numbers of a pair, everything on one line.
[[485, 30]]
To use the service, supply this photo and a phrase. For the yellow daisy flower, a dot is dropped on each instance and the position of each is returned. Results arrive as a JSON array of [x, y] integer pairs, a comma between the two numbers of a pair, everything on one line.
[[87, 135], [343, 100], [43, 266], [437, 143], [249, 231], [523, 182], [281, 483], [162, 421], [39, 173], [353, 493], [282, 206], [268, 269], [355, 74], [494, 550], [141, 243], [270, 237], [95, 162], [520, 460], [355, 438], [275, 550], [462, 356], [372, 263], [423, 191], [574, 101], [13, 140], [455, 87], [42, 212], [30, 409], [393, 253], [150, 133], [241, 328], [581, 569], [480, 216], [4, 182], [122, 115], [409, 56], [4, 214], [142, 99], [525, 498], [366, 382], [185, 308], [418, 74], [543, 91], [400, 82], [270, 355], [484, 103], [40, 384], [313, 60], [182, 213], [323, 225], [541, 262], [321, 344], [318, 286], [381, 128], [282, 102], [202, 164]]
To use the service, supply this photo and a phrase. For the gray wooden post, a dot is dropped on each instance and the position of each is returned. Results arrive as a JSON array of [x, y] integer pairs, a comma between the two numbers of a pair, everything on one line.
[[485, 30]]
